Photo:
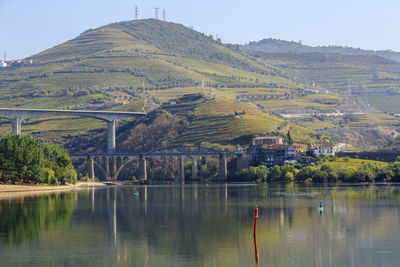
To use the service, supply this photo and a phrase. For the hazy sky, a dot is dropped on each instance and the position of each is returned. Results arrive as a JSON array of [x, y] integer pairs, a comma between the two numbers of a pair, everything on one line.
[[30, 26]]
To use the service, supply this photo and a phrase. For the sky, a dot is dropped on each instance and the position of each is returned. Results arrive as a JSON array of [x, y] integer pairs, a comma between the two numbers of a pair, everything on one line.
[[30, 26]]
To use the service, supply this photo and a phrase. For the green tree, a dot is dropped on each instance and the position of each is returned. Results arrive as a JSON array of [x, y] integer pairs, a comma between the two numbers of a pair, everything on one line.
[[21, 157], [289, 138], [24, 157]]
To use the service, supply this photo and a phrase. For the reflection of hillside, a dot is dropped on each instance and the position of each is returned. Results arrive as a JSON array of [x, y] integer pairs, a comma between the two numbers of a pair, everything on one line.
[[24, 219]]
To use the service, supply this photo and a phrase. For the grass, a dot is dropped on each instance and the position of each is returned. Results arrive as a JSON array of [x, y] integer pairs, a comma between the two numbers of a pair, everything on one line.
[[347, 163], [215, 121]]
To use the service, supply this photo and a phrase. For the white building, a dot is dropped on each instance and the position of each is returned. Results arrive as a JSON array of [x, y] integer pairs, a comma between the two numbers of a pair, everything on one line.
[[3, 64], [323, 150]]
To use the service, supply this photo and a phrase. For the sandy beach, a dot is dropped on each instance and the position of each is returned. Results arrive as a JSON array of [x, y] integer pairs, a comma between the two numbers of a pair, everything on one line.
[[11, 191]]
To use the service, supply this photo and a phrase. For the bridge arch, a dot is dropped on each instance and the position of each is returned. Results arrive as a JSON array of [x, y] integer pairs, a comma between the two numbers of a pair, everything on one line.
[[124, 163], [102, 170]]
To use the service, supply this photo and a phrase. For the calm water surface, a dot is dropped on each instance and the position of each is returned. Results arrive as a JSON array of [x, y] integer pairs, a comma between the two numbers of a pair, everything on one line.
[[200, 225]]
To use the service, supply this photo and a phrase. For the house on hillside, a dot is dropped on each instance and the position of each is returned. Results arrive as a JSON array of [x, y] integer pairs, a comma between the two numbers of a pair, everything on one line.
[[276, 154], [299, 148], [323, 150], [266, 140]]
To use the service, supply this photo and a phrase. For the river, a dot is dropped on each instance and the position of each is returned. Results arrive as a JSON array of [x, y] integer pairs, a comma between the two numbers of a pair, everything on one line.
[[204, 225]]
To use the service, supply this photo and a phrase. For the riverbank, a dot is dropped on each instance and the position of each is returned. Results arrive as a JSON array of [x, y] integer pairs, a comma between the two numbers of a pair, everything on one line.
[[10, 191]]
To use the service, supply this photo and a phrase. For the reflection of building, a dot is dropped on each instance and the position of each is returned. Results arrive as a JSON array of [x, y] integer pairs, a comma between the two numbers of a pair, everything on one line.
[[323, 150], [276, 154], [266, 140]]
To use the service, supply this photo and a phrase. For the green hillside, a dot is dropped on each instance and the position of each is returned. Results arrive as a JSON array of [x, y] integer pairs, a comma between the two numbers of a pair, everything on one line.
[[141, 63], [145, 64], [194, 119], [372, 79]]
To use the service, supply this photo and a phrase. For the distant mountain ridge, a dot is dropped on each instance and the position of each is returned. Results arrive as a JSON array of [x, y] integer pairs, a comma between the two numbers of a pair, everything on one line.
[[280, 46]]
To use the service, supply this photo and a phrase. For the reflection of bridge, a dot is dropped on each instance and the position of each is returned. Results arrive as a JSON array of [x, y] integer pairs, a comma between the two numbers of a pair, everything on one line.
[[165, 156], [16, 116]]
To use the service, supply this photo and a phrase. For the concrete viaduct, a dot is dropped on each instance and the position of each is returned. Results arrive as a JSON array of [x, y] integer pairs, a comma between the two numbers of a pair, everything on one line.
[[17, 116]]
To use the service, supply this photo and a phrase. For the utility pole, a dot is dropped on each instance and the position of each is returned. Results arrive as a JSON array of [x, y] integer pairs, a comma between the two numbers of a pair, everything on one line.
[[156, 12], [163, 14]]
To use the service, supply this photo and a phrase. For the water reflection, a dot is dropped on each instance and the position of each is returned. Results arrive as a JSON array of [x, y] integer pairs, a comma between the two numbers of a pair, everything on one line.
[[206, 225], [24, 219]]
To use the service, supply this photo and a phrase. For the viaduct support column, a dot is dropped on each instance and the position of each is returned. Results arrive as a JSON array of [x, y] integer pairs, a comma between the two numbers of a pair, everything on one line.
[[91, 167], [107, 164], [16, 126], [111, 125], [142, 168], [181, 169], [114, 169], [223, 169], [172, 160], [194, 166]]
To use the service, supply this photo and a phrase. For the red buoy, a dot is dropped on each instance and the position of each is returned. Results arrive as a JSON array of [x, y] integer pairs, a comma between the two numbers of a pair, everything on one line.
[[255, 221]]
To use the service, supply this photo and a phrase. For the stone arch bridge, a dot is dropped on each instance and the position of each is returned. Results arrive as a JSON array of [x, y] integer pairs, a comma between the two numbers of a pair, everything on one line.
[[111, 165]]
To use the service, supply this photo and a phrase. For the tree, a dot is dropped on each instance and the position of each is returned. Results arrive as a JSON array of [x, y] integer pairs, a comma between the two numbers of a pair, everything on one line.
[[24, 157], [289, 138], [21, 157]]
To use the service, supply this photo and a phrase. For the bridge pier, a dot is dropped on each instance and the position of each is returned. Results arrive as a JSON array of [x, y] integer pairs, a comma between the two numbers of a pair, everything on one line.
[[223, 168], [16, 126], [107, 164], [142, 168], [91, 167], [194, 166], [181, 169], [111, 127], [114, 169], [172, 160]]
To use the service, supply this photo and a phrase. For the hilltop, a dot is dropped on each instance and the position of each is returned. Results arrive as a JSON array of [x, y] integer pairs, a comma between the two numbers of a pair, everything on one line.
[[280, 46]]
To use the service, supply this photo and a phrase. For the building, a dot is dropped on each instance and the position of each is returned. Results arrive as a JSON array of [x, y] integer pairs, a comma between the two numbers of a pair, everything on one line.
[[266, 140], [323, 150], [3, 64], [299, 148], [276, 154]]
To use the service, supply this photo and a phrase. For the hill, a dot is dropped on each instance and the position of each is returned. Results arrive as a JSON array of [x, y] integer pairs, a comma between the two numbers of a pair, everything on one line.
[[139, 65], [196, 119], [280, 46], [373, 79]]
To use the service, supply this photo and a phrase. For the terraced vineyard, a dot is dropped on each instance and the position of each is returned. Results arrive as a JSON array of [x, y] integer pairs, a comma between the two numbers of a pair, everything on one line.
[[145, 63], [373, 79]]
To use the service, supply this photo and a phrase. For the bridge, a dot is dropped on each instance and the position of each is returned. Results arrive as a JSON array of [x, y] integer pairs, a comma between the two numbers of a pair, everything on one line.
[[111, 164], [17, 116]]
